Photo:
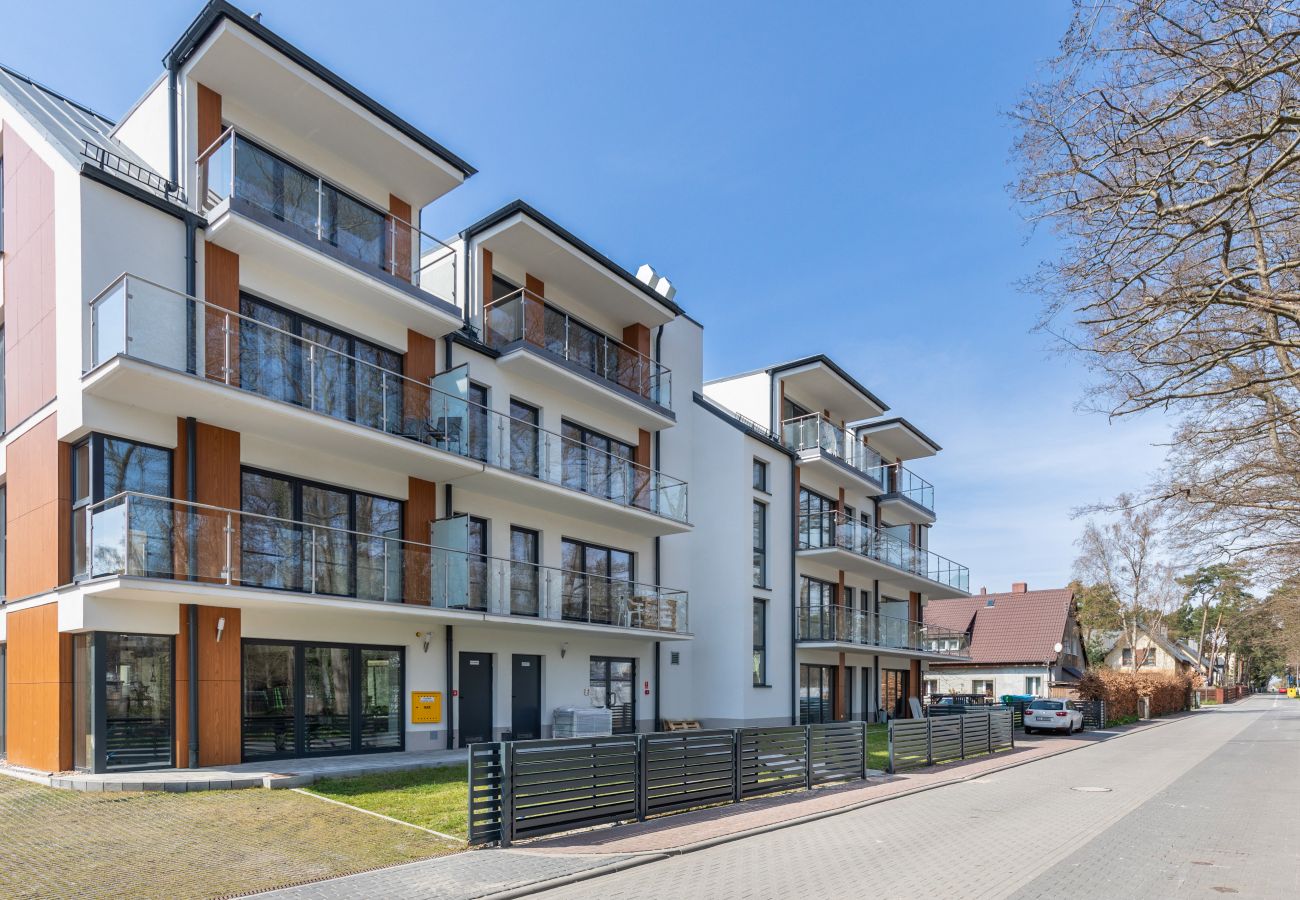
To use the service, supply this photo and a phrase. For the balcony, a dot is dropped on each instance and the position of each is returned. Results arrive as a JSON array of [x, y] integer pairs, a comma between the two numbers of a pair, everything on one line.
[[260, 560], [908, 497], [850, 544], [855, 628], [823, 445], [543, 341], [284, 220], [161, 350]]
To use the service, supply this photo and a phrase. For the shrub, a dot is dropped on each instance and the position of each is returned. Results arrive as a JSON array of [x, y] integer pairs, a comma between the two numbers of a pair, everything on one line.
[[1167, 693]]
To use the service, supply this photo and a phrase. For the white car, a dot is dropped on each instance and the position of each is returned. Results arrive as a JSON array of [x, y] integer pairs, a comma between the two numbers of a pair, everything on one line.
[[1052, 715]]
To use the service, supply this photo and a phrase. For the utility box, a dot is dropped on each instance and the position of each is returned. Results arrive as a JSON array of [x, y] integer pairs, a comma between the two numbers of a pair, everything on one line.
[[426, 707]]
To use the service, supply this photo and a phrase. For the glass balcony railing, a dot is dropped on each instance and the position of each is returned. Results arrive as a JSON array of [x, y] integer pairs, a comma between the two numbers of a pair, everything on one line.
[[308, 208], [907, 484], [818, 434], [144, 536], [833, 530], [142, 320], [845, 625], [527, 317]]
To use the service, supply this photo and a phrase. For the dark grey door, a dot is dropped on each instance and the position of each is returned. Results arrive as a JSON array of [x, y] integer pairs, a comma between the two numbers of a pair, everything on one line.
[[474, 706], [526, 697]]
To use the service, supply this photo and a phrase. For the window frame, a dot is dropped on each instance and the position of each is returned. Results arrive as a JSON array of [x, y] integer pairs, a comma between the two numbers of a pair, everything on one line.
[[760, 475], [760, 611], [759, 538]]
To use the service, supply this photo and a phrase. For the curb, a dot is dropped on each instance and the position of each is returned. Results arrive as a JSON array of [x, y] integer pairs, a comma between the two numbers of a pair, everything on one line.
[[649, 856]]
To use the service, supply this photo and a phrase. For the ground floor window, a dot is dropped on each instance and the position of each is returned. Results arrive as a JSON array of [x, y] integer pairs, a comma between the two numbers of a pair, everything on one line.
[[817, 687], [304, 699], [3, 681], [1033, 685], [122, 701], [931, 686], [981, 688], [613, 679], [894, 692]]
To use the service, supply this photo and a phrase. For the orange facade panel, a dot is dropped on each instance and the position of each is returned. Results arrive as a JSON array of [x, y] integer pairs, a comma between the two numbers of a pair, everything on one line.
[[39, 692]]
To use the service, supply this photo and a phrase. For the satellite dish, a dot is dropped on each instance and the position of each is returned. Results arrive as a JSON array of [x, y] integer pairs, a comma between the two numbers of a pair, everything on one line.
[[1059, 647]]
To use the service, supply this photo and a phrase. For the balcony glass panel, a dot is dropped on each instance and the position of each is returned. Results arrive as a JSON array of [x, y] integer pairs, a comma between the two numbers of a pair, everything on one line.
[[236, 548], [845, 625], [816, 433], [259, 352], [834, 530]]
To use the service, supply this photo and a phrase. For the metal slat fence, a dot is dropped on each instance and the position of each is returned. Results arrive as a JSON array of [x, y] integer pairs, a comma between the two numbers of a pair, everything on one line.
[[523, 789], [914, 743]]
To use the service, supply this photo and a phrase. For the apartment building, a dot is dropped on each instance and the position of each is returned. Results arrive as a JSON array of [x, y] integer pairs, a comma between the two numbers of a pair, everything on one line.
[[809, 502], [285, 476]]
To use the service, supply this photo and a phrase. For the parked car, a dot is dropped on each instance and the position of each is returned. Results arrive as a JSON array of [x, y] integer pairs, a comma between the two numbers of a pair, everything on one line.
[[1052, 715]]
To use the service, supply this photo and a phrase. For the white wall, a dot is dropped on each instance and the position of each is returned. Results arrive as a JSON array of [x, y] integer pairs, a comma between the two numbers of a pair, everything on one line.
[[144, 129]]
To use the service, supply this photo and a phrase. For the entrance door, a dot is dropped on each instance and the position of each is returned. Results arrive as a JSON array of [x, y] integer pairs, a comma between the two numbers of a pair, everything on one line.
[[894, 693], [817, 686], [475, 696], [613, 680], [526, 697]]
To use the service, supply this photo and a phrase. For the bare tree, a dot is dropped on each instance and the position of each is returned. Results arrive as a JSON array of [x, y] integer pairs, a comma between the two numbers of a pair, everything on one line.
[[1124, 557], [1163, 146]]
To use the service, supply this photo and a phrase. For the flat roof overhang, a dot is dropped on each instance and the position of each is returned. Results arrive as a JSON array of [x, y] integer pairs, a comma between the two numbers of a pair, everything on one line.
[[817, 385], [553, 258], [898, 439], [272, 85]]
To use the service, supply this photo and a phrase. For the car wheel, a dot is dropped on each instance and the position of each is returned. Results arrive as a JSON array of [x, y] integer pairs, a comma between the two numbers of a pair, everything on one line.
[[1028, 730]]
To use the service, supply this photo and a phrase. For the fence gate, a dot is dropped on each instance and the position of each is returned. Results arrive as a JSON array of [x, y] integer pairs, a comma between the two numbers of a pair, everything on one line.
[[487, 784], [570, 783]]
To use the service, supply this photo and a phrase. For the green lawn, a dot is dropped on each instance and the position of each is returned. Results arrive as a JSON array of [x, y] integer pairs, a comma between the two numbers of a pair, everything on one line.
[[431, 798], [878, 746]]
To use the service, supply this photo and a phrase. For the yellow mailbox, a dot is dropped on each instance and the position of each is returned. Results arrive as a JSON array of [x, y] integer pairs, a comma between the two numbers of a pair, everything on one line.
[[1291, 692], [426, 707]]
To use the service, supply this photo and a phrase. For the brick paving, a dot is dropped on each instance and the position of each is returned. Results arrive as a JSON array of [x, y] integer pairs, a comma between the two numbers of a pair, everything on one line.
[[56, 844], [1202, 807]]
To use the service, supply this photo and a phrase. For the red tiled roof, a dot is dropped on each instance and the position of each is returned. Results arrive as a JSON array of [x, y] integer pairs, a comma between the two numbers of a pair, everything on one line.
[[1017, 628]]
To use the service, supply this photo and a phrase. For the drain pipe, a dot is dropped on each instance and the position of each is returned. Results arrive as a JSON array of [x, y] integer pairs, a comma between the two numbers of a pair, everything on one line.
[[658, 666], [448, 650]]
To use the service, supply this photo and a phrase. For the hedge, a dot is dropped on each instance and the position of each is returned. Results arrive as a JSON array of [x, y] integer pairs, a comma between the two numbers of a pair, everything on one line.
[[1167, 693]]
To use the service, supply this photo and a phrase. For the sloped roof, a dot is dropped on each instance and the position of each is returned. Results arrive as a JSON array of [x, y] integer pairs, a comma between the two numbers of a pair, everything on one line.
[[1017, 628], [66, 123]]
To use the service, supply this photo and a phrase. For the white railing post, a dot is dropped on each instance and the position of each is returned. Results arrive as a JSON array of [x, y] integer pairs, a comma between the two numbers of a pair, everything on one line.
[[229, 569]]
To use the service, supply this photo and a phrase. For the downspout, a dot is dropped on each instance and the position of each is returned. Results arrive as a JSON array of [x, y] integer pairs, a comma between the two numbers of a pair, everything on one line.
[[173, 117], [658, 666], [794, 594], [448, 650]]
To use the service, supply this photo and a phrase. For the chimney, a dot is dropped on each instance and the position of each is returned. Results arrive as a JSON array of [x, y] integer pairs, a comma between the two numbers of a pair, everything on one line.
[[983, 591], [1019, 587]]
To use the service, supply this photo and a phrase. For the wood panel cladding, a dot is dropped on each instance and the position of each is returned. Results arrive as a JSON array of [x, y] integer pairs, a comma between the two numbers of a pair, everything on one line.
[[38, 702], [219, 687], [29, 272], [216, 483], [220, 289], [419, 364], [420, 509], [209, 115], [534, 310], [634, 372], [401, 234], [38, 511]]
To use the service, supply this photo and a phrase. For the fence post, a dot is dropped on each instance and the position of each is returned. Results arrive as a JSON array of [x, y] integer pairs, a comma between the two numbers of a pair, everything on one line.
[[989, 715], [735, 761], [929, 742], [642, 769], [961, 733], [889, 731], [807, 758], [1012, 729], [507, 793], [863, 771]]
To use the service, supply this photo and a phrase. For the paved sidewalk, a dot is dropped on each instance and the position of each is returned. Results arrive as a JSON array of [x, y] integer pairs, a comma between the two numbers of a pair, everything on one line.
[[285, 773], [550, 861]]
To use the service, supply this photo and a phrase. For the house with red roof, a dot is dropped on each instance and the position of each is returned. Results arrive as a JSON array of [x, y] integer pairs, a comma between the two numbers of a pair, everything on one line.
[[1021, 642]]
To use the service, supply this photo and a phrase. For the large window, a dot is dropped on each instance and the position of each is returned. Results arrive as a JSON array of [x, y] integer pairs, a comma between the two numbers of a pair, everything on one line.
[[894, 693], [289, 357], [760, 544], [816, 519], [760, 642], [122, 701], [525, 438], [524, 574], [305, 536], [596, 463], [303, 699], [817, 690], [104, 467], [597, 583], [817, 600]]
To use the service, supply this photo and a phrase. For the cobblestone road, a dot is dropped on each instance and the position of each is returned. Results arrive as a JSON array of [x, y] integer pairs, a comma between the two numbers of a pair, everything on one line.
[[1202, 807]]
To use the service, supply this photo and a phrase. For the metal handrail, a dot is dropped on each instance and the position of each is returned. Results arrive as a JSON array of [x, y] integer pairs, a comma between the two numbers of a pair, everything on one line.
[[820, 531], [816, 432], [118, 553], [906, 483], [845, 624], [655, 385], [646, 488], [417, 258]]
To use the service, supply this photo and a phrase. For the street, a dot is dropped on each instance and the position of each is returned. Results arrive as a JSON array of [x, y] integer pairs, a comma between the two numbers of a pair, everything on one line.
[[1203, 806]]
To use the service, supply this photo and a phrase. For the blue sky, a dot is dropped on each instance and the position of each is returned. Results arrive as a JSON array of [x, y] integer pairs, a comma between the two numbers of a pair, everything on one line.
[[812, 183]]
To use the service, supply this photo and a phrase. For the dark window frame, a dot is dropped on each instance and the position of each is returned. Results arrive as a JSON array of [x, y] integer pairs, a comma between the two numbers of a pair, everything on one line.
[[761, 475], [760, 642], [97, 700], [760, 541]]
